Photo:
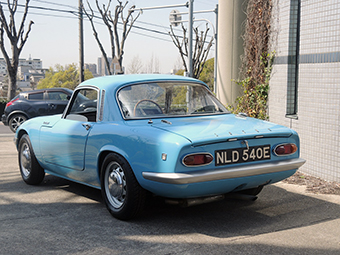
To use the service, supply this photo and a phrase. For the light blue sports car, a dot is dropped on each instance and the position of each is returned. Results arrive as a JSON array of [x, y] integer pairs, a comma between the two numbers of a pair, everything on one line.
[[130, 135]]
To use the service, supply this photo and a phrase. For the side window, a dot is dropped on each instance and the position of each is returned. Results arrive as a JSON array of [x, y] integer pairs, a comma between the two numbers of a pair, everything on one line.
[[84, 106], [57, 95], [36, 96]]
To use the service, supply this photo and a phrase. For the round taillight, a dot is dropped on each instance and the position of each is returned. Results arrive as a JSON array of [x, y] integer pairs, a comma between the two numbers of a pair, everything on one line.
[[285, 149], [199, 159]]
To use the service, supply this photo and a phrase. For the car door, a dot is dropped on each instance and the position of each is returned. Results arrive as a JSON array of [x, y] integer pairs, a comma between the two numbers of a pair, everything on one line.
[[35, 105], [56, 101], [63, 143]]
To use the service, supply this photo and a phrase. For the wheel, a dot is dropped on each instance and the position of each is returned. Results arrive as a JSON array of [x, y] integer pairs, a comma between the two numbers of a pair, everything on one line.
[[122, 194], [146, 100], [31, 172], [16, 121], [252, 192]]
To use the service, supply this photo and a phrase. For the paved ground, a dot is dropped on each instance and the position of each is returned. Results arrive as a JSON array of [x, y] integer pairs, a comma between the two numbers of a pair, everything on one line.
[[61, 217], [4, 130]]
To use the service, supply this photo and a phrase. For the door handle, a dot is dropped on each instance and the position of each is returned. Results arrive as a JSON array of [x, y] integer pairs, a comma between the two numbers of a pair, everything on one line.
[[52, 106], [86, 126]]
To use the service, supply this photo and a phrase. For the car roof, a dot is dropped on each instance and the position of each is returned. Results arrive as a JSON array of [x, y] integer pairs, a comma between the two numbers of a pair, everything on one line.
[[117, 81], [47, 89]]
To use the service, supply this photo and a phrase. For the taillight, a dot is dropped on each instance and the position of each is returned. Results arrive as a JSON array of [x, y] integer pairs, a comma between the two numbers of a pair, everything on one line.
[[198, 159], [11, 102], [285, 149]]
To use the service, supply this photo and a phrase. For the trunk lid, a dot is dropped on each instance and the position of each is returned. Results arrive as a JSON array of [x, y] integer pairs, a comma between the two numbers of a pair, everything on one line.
[[219, 128]]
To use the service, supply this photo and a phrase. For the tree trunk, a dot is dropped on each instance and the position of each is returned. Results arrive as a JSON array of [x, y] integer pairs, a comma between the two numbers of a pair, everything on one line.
[[12, 83], [14, 36]]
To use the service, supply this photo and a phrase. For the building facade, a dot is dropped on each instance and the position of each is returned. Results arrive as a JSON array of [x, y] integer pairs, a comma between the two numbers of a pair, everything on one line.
[[92, 68], [305, 84], [102, 70], [30, 71]]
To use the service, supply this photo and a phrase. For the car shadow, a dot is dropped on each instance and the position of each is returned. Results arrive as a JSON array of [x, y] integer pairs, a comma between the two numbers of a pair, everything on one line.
[[85, 218], [276, 209]]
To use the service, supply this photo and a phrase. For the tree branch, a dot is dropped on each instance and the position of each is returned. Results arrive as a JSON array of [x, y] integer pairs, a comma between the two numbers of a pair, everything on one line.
[[5, 24], [179, 46], [90, 17], [21, 29], [24, 39], [2, 45], [106, 17]]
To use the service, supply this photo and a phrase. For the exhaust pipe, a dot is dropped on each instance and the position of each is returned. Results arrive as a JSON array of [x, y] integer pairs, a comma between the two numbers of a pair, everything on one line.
[[194, 201], [241, 196]]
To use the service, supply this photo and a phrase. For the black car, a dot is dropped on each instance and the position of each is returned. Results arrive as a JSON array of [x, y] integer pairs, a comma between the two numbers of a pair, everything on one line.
[[35, 103]]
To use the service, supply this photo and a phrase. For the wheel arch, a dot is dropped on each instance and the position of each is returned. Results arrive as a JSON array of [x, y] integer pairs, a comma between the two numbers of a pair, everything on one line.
[[16, 113], [20, 134], [106, 151]]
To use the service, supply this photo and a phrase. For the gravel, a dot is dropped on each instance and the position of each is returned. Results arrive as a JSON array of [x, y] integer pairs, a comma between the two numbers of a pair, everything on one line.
[[314, 184]]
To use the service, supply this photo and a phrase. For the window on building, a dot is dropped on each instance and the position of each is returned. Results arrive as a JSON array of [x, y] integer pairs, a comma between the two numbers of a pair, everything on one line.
[[293, 59]]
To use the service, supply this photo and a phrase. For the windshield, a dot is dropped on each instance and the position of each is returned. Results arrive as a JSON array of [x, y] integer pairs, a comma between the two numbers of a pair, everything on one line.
[[167, 99]]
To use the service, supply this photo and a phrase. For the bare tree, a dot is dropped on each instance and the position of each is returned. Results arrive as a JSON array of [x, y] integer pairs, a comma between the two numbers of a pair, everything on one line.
[[153, 65], [135, 65], [111, 20], [201, 51], [17, 39]]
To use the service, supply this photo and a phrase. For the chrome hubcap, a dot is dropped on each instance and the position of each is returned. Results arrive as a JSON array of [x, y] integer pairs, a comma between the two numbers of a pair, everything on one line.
[[25, 160], [115, 184]]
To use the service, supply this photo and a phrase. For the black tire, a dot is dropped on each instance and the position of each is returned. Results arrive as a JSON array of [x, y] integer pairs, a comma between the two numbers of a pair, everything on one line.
[[252, 192], [31, 172], [122, 194], [15, 121]]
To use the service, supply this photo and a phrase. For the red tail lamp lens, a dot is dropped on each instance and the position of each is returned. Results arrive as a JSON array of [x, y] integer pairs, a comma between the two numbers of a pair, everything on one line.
[[11, 102], [198, 159], [285, 149]]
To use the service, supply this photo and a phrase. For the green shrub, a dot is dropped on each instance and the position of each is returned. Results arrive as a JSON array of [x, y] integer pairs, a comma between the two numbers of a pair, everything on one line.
[[253, 102]]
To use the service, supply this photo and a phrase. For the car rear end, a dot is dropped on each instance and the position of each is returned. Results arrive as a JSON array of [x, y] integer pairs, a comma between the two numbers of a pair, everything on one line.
[[8, 109], [220, 160]]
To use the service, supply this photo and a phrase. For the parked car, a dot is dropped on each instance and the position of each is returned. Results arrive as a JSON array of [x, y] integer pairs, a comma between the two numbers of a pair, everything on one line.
[[130, 135], [35, 103]]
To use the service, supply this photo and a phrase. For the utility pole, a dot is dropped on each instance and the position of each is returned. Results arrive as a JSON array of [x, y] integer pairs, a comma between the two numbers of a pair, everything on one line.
[[81, 43], [191, 16], [216, 55]]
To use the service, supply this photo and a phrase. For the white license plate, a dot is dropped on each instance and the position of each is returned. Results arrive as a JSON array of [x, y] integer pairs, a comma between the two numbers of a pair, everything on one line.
[[242, 155]]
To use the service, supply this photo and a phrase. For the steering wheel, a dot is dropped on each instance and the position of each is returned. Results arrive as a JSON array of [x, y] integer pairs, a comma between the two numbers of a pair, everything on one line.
[[142, 111]]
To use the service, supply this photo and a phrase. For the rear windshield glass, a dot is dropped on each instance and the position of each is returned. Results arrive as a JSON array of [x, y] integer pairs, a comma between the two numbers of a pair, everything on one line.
[[167, 99], [36, 96]]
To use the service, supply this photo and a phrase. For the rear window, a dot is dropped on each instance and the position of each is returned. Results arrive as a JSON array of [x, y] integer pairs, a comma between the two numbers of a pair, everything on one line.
[[36, 96], [168, 99]]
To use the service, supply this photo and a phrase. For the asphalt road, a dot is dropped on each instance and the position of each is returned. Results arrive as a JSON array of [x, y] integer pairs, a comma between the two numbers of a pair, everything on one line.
[[61, 217], [4, 130]]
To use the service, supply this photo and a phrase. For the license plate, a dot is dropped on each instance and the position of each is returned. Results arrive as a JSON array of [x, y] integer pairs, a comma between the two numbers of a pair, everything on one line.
[[242, 155]]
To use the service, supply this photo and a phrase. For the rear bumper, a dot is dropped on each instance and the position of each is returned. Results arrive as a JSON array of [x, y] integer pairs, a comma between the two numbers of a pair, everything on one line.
[[4, 120], [224, 173]]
